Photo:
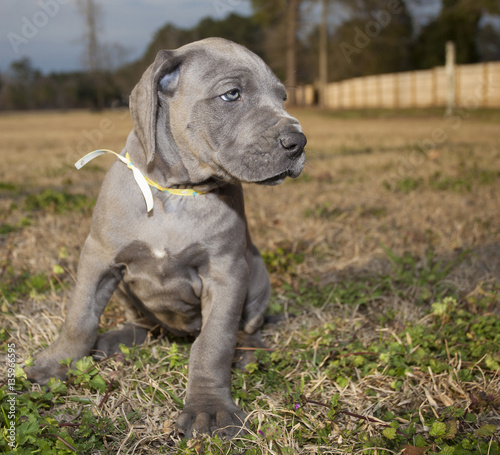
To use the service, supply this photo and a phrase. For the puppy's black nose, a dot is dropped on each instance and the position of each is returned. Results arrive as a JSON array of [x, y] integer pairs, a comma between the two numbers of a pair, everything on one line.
[[293, 143]]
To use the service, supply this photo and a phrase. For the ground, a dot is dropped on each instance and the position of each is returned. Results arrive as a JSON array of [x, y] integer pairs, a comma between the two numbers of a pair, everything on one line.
[[385, 262]]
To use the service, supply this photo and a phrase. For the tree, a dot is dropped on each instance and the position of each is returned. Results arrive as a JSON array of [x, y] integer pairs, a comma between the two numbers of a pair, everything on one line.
[[241, 29], [282, 17], [92, 14], [22, 84], [98, 57], [488, 43], [373, 40], [92, 55], [459, 21]]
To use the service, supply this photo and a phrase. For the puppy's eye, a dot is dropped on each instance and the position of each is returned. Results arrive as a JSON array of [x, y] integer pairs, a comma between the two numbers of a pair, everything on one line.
[[232, 95]]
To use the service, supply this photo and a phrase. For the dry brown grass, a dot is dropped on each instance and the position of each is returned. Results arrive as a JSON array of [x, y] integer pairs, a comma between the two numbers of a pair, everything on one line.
[[338, 216]]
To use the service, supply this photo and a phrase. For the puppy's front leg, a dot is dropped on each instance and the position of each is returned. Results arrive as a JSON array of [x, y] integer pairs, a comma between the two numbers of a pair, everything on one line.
[[209, 406], [96, 281]]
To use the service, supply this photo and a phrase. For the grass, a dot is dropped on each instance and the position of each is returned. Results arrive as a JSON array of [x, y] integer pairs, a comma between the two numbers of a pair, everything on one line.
[[389, 341], [461, 183], [485, 114]]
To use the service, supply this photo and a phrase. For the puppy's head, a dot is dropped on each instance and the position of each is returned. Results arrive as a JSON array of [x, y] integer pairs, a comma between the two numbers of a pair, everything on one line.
[[219, 107]]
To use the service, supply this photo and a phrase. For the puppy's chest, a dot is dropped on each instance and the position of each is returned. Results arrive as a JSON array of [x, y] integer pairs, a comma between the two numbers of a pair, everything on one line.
[[161, 278]]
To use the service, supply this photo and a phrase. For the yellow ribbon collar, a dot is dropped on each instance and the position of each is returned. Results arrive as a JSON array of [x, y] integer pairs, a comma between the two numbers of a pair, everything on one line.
[[143, 181]]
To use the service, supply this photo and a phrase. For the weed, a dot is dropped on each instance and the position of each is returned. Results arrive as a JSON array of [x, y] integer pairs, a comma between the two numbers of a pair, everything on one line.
[[408, 354], [405, 185], [324, 211], [459, 184], [14, 286], [463, 182], [327, 212], [282, 261], [41, 429], [453, 330], [355, 151], [8, 186], [421, 280], [373, 212], [58, 202], [412, 279], [6, 229], [9, 228]]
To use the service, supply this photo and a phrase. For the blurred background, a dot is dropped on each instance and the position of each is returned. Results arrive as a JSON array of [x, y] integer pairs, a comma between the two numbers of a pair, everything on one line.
[[67, 54]]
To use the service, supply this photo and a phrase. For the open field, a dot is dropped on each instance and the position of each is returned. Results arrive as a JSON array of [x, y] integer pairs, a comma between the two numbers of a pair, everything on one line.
[[385, 261]]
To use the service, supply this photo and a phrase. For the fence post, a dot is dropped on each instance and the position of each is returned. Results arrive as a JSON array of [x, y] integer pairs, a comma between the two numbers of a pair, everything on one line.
[[350, 86], [434, 101], [486, 83], [413, 90], [379, 101], [450, 77], [396, 89]]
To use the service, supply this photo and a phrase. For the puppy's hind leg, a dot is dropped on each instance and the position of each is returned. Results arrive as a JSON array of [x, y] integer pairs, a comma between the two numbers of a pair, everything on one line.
[[108, 343], [134, 332], [259, 290], [246, 347]]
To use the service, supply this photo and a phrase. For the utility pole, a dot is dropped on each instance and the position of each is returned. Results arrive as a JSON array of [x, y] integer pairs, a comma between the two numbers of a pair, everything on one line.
[[323, 56], [450, 77]]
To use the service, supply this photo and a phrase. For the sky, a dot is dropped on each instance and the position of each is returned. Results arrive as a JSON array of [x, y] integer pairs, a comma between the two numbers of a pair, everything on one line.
[[50, 32]]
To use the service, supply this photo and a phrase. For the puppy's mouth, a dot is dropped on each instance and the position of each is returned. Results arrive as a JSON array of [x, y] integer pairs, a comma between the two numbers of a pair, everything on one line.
[[280, 178], [276, 180]]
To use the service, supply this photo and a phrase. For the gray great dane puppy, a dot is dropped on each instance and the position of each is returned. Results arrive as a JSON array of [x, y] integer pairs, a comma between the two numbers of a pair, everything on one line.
[[207, 116]]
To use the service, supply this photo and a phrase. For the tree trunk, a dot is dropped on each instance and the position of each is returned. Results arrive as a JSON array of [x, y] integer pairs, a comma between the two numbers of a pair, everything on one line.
[[91, 13], [291, 44]]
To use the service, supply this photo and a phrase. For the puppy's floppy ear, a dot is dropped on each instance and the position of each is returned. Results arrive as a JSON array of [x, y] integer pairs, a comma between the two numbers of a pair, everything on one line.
[[168, 83], [162, 75]]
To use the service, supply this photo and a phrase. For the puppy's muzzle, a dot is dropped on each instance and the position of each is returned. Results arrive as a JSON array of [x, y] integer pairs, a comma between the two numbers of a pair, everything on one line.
[[292, 144]]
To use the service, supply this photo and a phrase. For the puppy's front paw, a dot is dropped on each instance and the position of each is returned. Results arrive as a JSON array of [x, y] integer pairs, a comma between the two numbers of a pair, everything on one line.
[[44, 369], [224, 419]]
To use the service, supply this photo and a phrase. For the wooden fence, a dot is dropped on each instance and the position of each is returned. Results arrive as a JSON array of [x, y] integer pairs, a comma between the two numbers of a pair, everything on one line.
[[476, 85]]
